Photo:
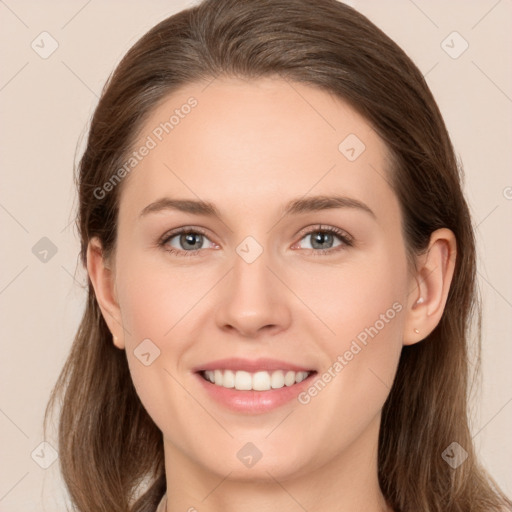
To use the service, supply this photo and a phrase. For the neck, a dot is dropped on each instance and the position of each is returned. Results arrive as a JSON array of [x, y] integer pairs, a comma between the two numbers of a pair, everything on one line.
[[347, 482]]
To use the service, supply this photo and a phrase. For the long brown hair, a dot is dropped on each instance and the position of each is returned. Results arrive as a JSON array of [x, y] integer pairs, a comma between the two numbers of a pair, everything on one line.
[[111, 452]]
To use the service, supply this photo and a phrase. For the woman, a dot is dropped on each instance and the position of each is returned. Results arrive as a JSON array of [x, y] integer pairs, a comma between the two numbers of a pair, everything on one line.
[[308, 349]]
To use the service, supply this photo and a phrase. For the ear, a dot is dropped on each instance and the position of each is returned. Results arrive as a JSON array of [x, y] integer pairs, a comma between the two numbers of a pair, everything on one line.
[[102, 277], [432, 280]]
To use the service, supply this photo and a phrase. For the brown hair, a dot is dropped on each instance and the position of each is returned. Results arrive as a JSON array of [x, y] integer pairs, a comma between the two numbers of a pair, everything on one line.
[[111, 452]]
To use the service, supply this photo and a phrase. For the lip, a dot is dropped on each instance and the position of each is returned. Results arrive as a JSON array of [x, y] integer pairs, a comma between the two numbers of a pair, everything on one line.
[[251, 401], [251, 366]]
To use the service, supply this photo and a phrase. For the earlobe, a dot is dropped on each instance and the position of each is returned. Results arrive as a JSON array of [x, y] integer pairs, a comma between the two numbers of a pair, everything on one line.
[[102, 278], [433, 278], [117, 342]]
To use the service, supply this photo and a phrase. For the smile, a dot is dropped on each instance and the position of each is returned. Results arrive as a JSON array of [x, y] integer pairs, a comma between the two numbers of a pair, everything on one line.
[[258, 381], [253, 386]]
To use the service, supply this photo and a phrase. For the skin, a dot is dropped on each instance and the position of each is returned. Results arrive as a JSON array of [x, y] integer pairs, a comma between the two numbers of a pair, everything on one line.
[[249, 147]]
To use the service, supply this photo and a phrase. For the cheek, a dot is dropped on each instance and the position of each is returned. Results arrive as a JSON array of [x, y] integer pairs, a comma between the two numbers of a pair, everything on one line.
[[363, 305], [365, 308], [160, 305], [361, 299], [156, 299], [153, 304], [160, 392]]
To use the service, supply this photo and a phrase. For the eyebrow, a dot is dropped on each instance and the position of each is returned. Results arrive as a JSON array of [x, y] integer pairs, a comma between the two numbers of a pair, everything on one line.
[[294, 207]]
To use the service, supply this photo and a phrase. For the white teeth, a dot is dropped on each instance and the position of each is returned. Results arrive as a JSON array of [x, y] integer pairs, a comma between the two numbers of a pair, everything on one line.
[[218, 377], [258, 381], [300, 376], [261, 381], [228, 379], [277, 379], [243, 381], [289, 378]]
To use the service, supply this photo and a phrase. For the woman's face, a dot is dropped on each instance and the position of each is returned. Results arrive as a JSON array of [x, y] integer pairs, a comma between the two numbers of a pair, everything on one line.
[[297, 268]]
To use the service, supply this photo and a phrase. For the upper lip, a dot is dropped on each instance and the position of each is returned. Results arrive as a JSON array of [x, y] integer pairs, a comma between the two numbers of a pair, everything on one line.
[[251, 365]]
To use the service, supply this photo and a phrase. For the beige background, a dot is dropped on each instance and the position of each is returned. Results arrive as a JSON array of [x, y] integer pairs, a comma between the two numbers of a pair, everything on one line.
[[45, 107]]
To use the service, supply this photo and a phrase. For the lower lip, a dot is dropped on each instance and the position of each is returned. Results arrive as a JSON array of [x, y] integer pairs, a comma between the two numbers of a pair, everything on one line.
[[251, 401]]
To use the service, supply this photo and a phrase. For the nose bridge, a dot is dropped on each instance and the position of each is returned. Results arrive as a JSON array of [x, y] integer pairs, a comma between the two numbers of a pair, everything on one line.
[[253, 297], [251, 276]]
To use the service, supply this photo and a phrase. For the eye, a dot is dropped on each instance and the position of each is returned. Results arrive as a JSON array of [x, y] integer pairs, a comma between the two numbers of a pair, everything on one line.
[[322, 240], [185, 241], [189, 241]]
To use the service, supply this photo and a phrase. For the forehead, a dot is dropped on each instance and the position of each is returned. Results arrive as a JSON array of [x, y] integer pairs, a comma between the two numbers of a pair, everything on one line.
[[250, 144]]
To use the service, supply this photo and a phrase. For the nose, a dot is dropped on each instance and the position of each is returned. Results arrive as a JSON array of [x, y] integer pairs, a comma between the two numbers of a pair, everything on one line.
[[253, 301]]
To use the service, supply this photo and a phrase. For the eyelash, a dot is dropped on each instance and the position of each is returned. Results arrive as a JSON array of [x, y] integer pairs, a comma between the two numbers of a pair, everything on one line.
[[342, 235]]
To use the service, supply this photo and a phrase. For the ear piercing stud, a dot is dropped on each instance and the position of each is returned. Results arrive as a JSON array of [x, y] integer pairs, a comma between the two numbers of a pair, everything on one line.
[[416, 331]]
